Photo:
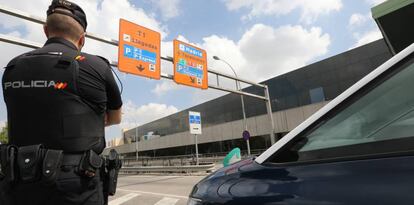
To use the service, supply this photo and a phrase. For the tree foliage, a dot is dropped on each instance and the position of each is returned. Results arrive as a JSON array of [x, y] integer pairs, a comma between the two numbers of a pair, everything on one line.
[[3, 135]]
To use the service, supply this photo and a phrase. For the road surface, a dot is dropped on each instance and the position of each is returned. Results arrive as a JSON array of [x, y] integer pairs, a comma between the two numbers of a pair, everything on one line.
[[153, 190]]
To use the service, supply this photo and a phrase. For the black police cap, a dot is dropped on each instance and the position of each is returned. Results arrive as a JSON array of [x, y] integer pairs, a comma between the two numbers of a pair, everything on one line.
[[76, 11]]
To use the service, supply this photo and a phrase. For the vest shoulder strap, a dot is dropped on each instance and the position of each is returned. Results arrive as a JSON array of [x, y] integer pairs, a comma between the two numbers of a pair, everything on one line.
[[104, 59]]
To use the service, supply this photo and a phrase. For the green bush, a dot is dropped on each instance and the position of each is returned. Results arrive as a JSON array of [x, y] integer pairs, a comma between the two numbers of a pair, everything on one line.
[[3, 135]]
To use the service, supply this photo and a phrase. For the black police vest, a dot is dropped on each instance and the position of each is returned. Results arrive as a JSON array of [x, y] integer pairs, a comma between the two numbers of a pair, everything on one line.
[[44, 106]]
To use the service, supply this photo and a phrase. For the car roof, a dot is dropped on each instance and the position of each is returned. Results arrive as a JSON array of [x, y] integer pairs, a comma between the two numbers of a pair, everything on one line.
[[347, 93]]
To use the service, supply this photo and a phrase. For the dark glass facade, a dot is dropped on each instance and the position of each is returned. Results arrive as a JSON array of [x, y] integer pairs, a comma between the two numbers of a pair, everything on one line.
[[258, 144], [323, 80]]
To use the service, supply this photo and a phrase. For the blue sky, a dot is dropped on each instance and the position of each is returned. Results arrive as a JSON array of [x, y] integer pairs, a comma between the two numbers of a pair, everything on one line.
[[260, 38]]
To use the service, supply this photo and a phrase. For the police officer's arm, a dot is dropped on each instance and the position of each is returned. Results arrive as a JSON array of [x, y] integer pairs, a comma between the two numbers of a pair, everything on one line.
[[114, 101], [113, 117]]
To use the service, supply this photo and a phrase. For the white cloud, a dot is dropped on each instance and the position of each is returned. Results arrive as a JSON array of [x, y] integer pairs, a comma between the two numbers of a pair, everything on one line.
[[164, 87], [168, 8], [367, 37], [274, 51], [263, 52], [227, 50], [104, 20], [363, 29], [134, 115], [374, 2], [310, 10], [357, 20]]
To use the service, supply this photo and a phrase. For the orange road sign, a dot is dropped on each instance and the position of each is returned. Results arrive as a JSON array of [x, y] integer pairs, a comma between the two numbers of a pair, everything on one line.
[[139, 50], [190, 65]]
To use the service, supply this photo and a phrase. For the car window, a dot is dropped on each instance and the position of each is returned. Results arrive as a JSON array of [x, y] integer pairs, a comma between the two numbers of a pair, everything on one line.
[[383, 113]]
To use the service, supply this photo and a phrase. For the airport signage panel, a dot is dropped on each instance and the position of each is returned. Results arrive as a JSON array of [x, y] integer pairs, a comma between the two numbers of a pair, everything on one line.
[[190, 65], [139, 50], [195, 122]]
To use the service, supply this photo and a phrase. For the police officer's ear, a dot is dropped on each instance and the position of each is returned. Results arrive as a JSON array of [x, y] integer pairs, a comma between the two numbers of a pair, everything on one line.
[[81, 41], [46, 31]]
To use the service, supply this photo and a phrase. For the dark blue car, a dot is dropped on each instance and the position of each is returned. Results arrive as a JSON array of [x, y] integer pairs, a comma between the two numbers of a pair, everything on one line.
[[358, 149]]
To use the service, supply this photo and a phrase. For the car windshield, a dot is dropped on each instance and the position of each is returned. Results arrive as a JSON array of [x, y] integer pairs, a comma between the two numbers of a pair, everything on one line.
[[383, 113]]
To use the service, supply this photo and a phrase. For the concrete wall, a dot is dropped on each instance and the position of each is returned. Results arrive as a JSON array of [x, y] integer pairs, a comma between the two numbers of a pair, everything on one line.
[[284, 121]]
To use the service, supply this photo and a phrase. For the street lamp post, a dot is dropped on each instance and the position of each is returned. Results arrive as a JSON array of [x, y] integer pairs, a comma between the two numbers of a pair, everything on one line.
[[238, 87], [136, 143]]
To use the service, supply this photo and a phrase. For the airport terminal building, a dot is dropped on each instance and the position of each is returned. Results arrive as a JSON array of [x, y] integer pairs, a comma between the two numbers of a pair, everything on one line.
[[294, 97]]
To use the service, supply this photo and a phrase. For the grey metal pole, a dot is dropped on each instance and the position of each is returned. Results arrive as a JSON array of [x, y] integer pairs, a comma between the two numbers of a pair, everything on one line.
[[244, 118], [196, 146], [239, 88], [270, 113], [136, 142]]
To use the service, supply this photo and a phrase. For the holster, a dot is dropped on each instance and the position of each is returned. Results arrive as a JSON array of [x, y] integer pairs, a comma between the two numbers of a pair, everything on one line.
[[112, 164], [51, 165], [90, 163], [8, 162], [29, 161]]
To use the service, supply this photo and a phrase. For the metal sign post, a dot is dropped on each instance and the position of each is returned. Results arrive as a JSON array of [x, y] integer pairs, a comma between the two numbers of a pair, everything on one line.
[[270, 113], [136, 142], [248, 147], [196, 147], [244, 119], [194, 119]]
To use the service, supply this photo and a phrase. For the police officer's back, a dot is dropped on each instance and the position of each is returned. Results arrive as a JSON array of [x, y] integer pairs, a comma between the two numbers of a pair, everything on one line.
[[58, 102]]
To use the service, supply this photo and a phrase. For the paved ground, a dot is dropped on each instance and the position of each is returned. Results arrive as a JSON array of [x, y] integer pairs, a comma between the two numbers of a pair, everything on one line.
[[154, 190]]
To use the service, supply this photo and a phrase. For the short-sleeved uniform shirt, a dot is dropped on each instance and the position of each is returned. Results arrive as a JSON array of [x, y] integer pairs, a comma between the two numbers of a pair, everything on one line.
[[95, 82]]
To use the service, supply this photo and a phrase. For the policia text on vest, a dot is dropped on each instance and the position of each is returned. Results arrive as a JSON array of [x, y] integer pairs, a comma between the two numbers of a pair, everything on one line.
[[34, 84], [59, 101]]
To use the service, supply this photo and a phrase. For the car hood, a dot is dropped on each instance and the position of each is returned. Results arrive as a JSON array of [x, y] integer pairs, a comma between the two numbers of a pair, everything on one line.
[[216, 186]]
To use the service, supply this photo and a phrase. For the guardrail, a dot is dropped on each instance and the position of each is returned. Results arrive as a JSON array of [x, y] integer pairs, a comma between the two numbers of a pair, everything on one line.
[[201, 155], [169, 169], [181, 160]]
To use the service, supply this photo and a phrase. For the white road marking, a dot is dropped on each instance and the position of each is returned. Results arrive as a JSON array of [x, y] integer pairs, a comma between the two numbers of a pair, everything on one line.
[[135, 176], [167, 201], [168, 176], [152, 176], [153, 193], [123, 199]]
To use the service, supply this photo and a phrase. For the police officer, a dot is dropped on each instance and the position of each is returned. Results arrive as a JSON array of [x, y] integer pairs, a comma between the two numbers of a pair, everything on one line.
[[59, 101]]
